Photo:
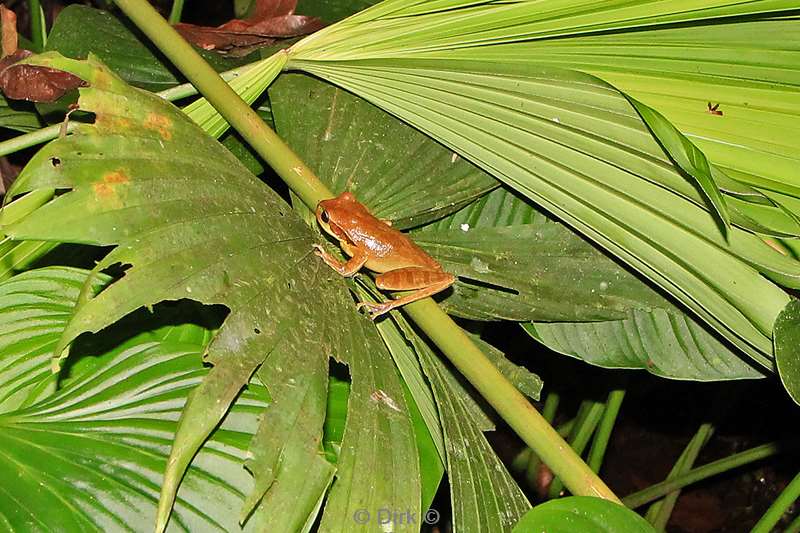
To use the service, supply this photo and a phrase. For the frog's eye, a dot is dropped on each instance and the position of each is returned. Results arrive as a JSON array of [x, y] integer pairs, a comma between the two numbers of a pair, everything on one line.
[[324, 216]]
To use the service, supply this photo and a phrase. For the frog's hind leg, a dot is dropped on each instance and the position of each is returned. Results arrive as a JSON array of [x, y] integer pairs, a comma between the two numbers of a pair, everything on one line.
[[427, 282]]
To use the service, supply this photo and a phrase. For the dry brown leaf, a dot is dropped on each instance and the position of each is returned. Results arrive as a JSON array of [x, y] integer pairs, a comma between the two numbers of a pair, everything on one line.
[[8, 30], [272, 20], [28, 82], [34, 83]]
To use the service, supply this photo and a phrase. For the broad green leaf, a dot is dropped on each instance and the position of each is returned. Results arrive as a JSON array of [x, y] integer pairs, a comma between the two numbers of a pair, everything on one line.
[[286, 438], [407, 363], [336, 416], [332, 10], [184, 322], [583, 303], [401, 174], [377, 418], [81, 30], [477, 478], [753, 209], [522, 262], [514, 263], [105, 440], [96, 448], [19, 116], [248, 85], [523, 379], [431, 464], [745, 66], [582, 513], [193, 223], [787, 349], [288, 441], [686, 155], [35, 307], [16, 256], [663, 342]]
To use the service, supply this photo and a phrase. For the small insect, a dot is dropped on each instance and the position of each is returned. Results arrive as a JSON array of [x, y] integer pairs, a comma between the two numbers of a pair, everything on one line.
[[714, 109], [380, 396], [373, 243]]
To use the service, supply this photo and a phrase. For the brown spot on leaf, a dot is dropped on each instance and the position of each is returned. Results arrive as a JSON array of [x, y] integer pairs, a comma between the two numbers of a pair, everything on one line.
[[112, 122], [116, 176], [271, 20], [105, 190], [159, 123]]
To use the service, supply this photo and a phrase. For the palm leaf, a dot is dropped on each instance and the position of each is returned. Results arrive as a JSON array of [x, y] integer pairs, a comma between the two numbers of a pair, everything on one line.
[[550, 133], [512, 261]]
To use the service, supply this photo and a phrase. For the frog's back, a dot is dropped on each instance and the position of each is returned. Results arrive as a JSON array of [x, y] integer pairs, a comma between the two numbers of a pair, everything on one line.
[[390, 249]]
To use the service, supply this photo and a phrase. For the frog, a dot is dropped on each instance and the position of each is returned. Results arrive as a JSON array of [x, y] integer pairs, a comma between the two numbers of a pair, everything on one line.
[[373, 243]]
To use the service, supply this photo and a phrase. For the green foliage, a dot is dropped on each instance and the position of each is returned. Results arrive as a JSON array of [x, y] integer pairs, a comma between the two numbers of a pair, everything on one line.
[[46, 299], [401, 174], [196, 224], [96, 448], [483, 495], [19, 116], [513, 262], [81, 30], [787, 348], [571, 142], [514, 92], [584, 514]]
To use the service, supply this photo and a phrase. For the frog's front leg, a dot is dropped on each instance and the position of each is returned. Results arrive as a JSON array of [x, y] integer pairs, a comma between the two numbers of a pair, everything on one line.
[[347, 269], [427, 282]]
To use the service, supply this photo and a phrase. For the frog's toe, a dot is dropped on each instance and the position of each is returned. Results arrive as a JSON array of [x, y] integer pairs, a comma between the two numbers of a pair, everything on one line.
[[374, 310]]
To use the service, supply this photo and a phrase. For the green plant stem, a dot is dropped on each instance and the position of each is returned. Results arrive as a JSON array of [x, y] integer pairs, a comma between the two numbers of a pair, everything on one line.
[[33, 138], [588, 417], [551, 406], [37, 24], [658, 514], [566, 428], [437, 325], [532, 468], [659, 490], [794, 526], [176, 12], [603, 434], [778, 507], [509, 403], [245, 120], [187, 89]]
